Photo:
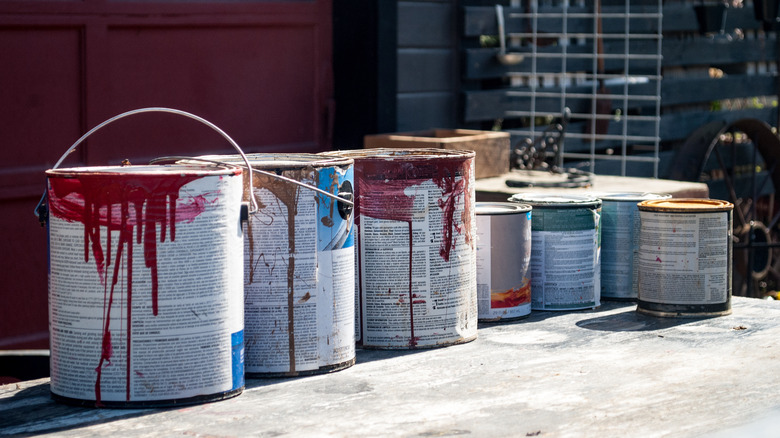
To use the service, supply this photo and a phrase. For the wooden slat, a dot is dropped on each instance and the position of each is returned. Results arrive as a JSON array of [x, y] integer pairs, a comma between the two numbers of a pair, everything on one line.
[[676, 18], [482, 105], [480, 64]]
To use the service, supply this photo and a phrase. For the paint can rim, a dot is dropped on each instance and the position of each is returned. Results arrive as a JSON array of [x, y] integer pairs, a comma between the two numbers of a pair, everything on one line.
[[630, 196], [500, 208], [555, 200], [282, 161], [142, 170], [401, 153], [685, 205]]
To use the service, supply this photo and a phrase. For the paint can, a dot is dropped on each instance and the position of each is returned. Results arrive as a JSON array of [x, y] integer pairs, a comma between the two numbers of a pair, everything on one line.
[[620, 243], [503, 261], [299, 276], [685, 257], [145, 293], [565, 251], [416, 252]]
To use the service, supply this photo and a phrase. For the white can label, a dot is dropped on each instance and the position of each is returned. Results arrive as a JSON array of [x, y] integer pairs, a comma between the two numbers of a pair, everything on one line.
[[299, 278], [565, 269], [684, 258], [511, 300], [149, 308], [620, 244]]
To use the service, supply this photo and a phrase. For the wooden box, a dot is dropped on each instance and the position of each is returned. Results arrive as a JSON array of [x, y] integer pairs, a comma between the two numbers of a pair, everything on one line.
[[492, 147]]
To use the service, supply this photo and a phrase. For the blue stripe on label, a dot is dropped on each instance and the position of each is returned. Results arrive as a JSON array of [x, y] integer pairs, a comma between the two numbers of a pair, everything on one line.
[[237, 342]]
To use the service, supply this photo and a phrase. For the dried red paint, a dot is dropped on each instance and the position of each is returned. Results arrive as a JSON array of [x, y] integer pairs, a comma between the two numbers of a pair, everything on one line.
[[385, 181], [92, 199]]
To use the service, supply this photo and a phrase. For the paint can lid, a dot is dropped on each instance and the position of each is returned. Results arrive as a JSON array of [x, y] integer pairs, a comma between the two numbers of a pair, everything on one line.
[[553, 200], [495, 208], [629, 196], [685, 205]]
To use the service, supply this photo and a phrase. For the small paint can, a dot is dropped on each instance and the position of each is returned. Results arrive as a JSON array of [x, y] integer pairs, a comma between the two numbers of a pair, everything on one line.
[[145, 297], [565, 251], [620, 243], [416, 252], [685, 257], [503, 260], [299, 265]]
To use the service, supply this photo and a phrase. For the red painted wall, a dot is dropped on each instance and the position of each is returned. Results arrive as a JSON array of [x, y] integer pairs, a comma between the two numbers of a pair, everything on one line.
[[261, 71]]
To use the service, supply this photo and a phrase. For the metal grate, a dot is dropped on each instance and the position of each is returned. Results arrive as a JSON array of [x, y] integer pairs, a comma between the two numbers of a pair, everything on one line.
[[603, 62]]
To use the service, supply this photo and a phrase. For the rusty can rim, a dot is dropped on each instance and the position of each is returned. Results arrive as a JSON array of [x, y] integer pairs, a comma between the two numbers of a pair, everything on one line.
[[685, 205]]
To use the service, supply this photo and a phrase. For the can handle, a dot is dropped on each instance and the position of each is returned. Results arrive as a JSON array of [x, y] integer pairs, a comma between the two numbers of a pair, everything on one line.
[[41, 211], [344, 197]]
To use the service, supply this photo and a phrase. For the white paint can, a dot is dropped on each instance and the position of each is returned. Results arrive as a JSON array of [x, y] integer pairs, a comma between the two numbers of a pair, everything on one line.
[[503, 260]]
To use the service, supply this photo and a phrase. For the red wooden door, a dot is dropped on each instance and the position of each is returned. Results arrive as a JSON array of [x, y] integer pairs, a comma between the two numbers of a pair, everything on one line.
[[260, 70]]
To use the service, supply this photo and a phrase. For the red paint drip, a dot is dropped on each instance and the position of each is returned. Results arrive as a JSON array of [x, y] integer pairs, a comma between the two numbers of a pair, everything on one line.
[[92, 200], [380, 192]]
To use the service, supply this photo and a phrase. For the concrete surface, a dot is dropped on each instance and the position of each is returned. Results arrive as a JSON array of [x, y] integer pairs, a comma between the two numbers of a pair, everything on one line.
[[609, 372]]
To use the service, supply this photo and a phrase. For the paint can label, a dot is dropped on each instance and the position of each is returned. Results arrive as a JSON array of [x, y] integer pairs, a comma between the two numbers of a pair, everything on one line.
[[503, 260], [144, 302], [299, 275], [684, 258], [620, 245], [416, 255], [565, 259]]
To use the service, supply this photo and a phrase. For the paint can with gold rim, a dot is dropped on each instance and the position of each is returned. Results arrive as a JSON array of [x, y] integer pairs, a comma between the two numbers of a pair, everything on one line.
[[685, 257]]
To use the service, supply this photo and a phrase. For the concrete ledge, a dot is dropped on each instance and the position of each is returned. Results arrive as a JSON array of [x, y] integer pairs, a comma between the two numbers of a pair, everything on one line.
[[496, 190]]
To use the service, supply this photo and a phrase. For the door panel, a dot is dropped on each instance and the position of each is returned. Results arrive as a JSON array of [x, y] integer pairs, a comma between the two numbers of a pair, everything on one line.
[[260, 70]]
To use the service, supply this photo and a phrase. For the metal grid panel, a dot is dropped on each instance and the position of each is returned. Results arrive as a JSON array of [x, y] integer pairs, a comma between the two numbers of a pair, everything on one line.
[[622, 85]]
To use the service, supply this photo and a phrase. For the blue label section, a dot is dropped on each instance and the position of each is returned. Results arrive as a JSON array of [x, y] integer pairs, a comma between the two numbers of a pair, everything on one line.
[[333, 231], [237, 342]]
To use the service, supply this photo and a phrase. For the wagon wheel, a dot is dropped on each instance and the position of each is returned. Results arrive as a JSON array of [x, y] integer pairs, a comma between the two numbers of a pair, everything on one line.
[[740, 162]]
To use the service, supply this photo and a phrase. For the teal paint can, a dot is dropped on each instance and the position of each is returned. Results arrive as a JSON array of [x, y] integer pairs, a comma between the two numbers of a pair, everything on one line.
[[565, 251], [620, 243]]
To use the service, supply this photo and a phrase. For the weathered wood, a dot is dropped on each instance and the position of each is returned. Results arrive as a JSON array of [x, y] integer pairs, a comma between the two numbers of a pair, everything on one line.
[[610, 372]]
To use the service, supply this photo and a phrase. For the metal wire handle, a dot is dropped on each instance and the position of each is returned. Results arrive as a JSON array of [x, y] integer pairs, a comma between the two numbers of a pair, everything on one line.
[[253, 209], [271, 174]]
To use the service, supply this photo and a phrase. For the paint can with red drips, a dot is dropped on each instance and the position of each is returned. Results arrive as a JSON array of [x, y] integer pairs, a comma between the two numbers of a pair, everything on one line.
[[299, 274], [503, 260], [685, 257], [416, 250], [145, 291]]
